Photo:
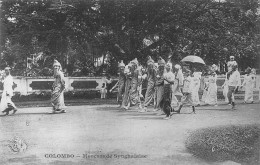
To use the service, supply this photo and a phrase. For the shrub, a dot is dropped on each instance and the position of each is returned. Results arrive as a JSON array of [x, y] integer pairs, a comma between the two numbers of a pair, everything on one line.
[[46, 95], [236, 143]]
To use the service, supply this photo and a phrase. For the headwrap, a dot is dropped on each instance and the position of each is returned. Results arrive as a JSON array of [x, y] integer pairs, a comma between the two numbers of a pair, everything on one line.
[[177, 66], [121, 64], [197, 74], [150, 60], [7, 68], [248, 69], [127, 70], [56, 63], [169, 65], [161, 61], [214, 68], [134, 61], [253, 71]]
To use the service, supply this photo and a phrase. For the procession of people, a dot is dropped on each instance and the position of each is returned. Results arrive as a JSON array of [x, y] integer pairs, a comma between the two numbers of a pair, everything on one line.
[[168, 86]]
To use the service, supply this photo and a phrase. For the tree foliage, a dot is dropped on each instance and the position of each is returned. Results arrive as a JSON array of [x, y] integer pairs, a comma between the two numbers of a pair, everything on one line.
[[77, 31]]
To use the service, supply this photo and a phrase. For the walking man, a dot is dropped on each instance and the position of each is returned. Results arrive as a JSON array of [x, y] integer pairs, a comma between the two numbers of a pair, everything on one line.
[[159, 84], [6, 104], [167, 89], [188, 86], [151, 75], [234, 82]]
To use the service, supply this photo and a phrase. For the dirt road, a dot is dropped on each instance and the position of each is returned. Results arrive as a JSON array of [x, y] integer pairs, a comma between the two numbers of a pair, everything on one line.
[[104, 134]]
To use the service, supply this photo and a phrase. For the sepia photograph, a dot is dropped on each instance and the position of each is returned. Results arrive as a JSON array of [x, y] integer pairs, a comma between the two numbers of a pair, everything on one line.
[[129, 82]]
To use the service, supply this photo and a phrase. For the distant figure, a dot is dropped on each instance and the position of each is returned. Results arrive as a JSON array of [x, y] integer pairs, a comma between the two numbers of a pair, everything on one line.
[[103, 91], [58, 87], [205, 83], [195, 90], [6, 104], [126, 95], [211, 97], [249, 83], [108, 82], [156, 66], [120, 83]]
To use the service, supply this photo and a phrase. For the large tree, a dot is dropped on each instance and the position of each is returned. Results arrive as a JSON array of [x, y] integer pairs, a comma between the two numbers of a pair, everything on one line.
[[76, 31]]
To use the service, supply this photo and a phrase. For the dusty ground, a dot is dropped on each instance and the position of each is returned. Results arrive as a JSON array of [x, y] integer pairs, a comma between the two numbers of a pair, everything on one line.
[[106, 130]]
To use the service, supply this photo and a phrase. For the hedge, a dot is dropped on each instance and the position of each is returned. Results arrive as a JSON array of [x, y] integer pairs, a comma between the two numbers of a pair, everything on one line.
[[236, 143], [43, 95]]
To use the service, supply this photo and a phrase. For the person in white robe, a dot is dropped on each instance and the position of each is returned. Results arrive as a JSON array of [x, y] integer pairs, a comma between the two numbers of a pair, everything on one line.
[[7, 104], [211, 97], [249, 84], [195, 90], [178, 83]]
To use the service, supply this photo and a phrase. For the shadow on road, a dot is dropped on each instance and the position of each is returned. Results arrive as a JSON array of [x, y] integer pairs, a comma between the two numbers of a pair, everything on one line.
[[22, 114], [217, 109]]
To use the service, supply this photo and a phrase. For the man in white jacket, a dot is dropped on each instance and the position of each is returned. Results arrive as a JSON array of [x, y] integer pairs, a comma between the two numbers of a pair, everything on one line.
[[6, 104]]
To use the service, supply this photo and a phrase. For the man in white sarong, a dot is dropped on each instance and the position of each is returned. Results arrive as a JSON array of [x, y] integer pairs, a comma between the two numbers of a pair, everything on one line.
[[6, 104], [178, 83], [249, 84], [195, 90]]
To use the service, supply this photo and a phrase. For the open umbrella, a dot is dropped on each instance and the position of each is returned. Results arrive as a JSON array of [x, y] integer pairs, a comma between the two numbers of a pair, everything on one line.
[[193, 59]]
